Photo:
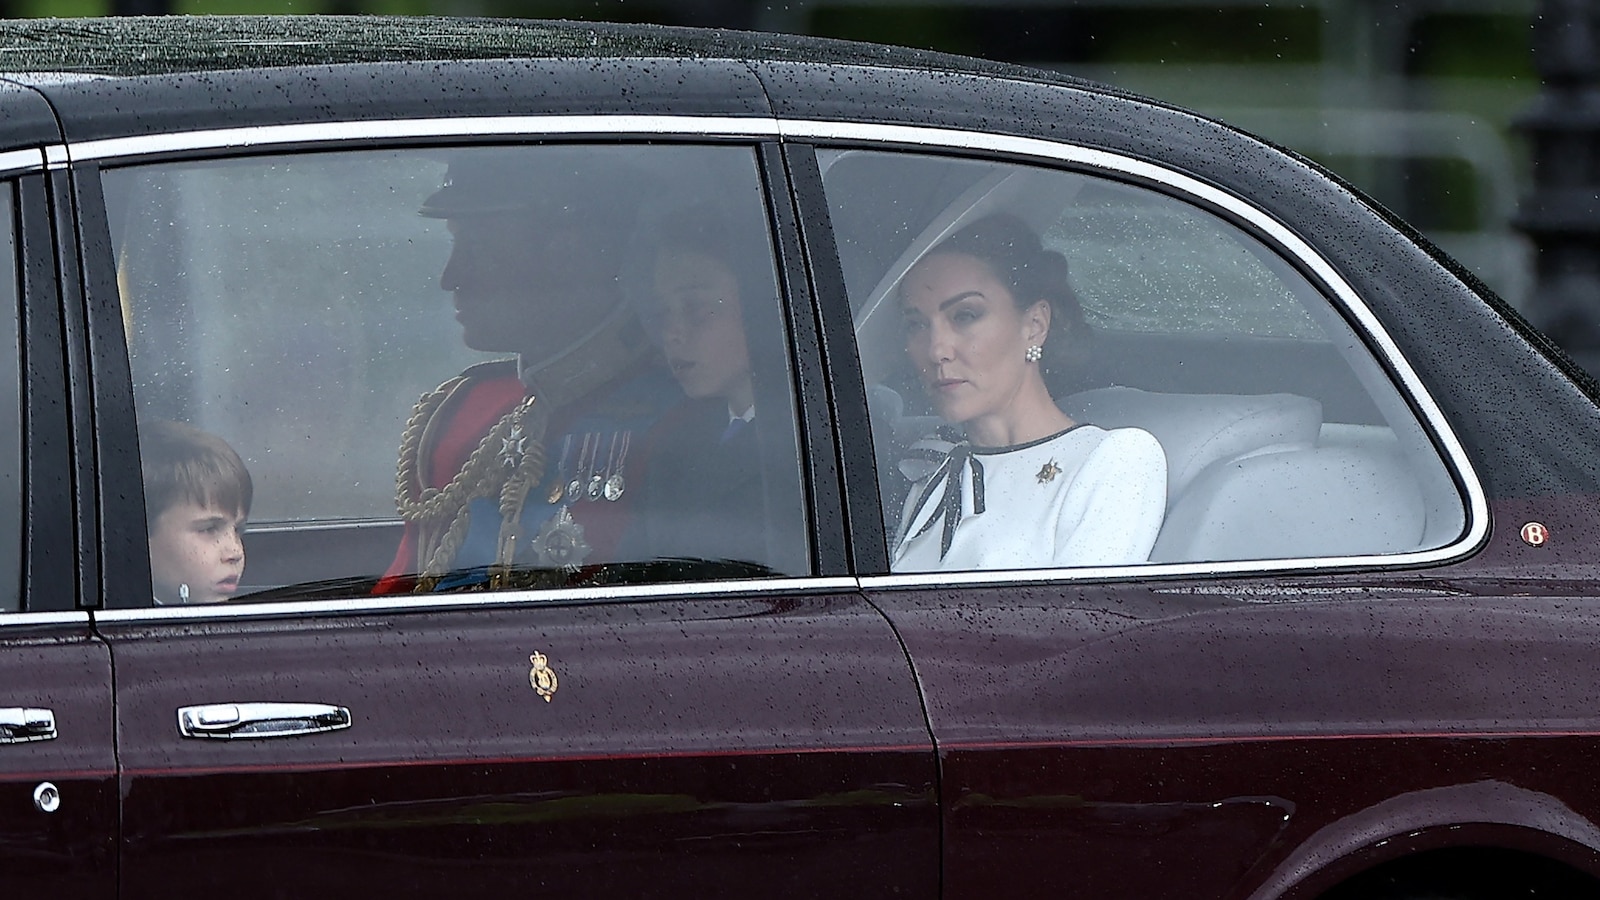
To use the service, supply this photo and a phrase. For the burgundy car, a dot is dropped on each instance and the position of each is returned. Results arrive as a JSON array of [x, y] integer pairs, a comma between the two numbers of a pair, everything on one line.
[[580, 622]]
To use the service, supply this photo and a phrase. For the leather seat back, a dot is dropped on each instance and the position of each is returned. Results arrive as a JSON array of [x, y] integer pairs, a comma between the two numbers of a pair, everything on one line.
[[1199, 430], [1298, 504]]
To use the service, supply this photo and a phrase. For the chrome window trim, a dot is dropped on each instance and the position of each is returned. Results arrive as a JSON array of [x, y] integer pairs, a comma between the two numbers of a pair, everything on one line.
[[281, 527], [64, 617], [1286, 242], [756, 127], [268, 136], [15, 162], [438, 602], [1254, 568]]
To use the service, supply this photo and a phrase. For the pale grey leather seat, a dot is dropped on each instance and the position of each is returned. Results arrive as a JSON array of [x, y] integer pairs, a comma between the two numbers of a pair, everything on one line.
[[1199, 430], [1317, 502], [1247, 477]]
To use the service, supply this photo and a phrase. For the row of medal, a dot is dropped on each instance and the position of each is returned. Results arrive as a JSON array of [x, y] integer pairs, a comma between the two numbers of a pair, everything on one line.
[[587, 479]]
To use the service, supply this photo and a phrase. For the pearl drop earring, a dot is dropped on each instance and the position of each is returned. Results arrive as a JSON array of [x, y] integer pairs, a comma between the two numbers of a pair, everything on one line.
[[1034, 354]]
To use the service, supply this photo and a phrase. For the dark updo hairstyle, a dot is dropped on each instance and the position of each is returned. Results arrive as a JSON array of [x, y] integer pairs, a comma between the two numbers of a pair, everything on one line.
[[1017, 258]]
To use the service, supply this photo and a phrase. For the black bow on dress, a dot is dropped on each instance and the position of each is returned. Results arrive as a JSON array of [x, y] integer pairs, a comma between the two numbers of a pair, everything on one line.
[[949, 469]]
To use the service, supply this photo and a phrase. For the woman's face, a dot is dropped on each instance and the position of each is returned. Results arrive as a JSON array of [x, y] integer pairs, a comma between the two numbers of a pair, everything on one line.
[[967, 337], [696, 315]]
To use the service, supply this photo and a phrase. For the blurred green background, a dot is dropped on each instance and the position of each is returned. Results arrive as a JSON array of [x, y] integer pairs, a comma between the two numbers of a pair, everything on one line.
[[1413, 101]]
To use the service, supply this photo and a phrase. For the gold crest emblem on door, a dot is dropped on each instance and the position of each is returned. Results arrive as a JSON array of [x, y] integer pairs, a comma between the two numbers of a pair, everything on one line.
[[542, 677]]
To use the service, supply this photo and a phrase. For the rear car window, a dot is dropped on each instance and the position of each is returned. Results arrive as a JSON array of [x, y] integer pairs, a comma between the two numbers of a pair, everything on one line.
[[1147, 264], [590, 331], [1067, 370]]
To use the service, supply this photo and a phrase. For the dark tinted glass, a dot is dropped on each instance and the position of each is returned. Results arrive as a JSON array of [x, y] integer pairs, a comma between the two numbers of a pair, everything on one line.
[[591, 331], [1066, 370]]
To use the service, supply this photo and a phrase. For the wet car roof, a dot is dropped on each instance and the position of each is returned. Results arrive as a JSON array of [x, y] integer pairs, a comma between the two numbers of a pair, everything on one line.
[[128, 76], [168, 45]]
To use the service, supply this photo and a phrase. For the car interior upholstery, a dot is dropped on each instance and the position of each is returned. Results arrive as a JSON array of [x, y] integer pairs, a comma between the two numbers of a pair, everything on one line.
[[1248, 476]]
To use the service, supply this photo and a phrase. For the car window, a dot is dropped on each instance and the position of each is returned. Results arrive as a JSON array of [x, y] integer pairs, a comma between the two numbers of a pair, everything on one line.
[[590, 331], [1144, 263], [1069, 370], [10, 412]]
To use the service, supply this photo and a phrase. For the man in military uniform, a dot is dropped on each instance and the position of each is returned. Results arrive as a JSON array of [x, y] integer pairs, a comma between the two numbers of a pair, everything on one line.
[[515, 472]]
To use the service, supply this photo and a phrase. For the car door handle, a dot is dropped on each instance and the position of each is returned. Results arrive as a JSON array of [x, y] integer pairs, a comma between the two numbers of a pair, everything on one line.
[[20, 724], [232, 721]]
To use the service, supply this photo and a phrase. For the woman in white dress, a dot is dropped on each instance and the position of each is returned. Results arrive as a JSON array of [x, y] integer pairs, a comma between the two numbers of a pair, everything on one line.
[[1018, 484]]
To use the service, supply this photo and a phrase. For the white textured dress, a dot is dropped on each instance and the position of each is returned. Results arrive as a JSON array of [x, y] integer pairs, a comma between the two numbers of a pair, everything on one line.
[[1082, 497]]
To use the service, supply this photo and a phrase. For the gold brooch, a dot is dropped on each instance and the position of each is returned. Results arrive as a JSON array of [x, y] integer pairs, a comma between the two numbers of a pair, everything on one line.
[[542, 677], [1048, 472]]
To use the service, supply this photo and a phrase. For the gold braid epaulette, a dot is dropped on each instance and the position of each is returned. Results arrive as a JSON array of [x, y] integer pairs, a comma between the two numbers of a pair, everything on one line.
[[441, 514], [510, 460]]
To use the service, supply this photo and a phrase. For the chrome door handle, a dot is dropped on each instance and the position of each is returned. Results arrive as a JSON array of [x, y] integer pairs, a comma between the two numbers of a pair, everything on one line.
[[232, 721], [18, 725]]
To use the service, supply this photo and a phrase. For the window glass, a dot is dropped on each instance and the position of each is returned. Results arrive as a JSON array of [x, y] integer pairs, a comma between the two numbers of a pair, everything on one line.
[[10, 413], [1067, 370], [590, 330], [1144, 263]]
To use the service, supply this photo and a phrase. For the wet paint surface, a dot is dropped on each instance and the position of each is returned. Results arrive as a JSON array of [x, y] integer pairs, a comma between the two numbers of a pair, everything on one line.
[[70, 852], [1197, 733], [686, 744]]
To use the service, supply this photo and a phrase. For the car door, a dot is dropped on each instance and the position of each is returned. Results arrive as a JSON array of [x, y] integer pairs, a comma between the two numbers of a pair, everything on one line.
[[697, 704], [58, 814], [1179, 723]]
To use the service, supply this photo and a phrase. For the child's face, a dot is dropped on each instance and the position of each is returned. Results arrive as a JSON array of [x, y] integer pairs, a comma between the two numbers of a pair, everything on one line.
[[698, 321], [200, 546]]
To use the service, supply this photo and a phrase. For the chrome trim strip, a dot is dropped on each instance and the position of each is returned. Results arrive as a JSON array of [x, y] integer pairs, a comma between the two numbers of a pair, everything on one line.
[[24, 620], [320, 525], [1148, 571], [57, 156], [762, 127], [400, 129], [433, 602], [1051, 151], [15, 161]]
